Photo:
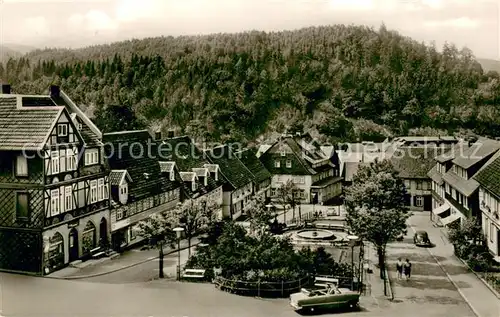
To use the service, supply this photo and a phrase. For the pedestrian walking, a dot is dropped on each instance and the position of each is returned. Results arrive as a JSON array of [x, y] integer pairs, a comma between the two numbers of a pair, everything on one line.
[[407, 269], [399, 268]]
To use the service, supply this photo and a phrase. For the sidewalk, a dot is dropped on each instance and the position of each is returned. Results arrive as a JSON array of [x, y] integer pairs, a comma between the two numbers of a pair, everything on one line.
[[480, 299], [127, 259]]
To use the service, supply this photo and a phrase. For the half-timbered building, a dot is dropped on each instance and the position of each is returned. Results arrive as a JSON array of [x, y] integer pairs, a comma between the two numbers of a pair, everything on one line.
[[54, 198]]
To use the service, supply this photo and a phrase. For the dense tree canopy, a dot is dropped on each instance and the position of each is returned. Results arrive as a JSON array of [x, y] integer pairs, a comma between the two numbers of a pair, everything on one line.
[[361, 82], [375, 204]]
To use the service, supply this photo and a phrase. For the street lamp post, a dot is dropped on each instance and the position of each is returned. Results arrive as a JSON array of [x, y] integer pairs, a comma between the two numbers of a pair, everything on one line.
[[352, 243], [178, 232], [161, 274]]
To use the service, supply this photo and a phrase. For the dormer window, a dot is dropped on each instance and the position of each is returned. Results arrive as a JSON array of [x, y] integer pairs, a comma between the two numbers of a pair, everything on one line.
[[172, 176], [62, 129], [193, 185]]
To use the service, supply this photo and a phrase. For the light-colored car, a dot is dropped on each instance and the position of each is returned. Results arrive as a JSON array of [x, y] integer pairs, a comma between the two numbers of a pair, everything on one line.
[[324, 298]]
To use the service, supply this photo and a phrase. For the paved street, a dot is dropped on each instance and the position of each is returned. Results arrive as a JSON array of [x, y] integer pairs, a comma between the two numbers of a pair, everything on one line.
[[128, 293], [40, 297], [144, 272]]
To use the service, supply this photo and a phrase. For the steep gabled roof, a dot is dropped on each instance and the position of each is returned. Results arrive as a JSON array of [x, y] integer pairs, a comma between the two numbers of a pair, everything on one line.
[[116, 177], [489, 175], [233, 170], [127, 150], [167, 167], [25, 127], [254, 165]]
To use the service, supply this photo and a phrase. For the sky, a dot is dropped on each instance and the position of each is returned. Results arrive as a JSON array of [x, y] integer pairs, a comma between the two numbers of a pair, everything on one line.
[[66, 23]]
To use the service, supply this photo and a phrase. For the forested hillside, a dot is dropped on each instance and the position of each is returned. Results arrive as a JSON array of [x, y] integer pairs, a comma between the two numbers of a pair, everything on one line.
[[345, 82]]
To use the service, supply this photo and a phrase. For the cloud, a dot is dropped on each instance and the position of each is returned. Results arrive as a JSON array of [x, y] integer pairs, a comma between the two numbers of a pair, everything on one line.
[[351, 5], [463, 22], [36, 26], [93, 20]]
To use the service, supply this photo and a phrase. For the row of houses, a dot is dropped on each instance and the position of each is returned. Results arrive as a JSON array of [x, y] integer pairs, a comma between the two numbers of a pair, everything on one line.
[[67, 189], [452, 178]]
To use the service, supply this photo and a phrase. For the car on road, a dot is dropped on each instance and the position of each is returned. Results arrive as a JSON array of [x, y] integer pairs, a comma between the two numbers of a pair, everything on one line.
[[421, 239], [329, 296]]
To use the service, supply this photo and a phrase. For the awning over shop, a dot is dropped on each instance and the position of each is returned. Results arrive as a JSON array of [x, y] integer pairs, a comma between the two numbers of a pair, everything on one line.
[[446, 221], [441, 209]]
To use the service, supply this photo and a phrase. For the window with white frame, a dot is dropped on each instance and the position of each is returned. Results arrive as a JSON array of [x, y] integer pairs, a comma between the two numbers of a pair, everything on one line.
[[119, 214], [70, 160], [62, 161], [288, 163], [277, 163], [91, 157], [407, 183], [21, 165], [419, 201], [93, 191], [193, 185], [62, 129], [68, 198], [54, 202], [100, 189], [54, 162], [283, 153]]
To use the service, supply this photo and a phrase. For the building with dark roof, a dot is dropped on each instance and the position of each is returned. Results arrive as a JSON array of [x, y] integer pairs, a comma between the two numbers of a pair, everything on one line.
[[489, 203], [238, 188], [300, 159], [412, 164], [201, 180], [261, 176], [138, 187], [455, 190], [55, 176]]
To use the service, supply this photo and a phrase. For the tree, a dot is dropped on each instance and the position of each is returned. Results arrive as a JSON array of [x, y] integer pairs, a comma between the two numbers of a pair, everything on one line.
[[114, 118], [260, 216], [288, 195], [194, 213], [157, 230], [375, 205]]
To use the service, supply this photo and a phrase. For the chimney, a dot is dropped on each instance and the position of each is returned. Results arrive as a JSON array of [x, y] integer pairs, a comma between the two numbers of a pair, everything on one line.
[[55, 91], [6, 89], [170, 133], [158, 135]]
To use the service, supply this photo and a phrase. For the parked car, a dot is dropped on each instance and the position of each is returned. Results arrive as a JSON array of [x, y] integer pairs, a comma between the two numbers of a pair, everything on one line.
[[323, 298], [421, 239]]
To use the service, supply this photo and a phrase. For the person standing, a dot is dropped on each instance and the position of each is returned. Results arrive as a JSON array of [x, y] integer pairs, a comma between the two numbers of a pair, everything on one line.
[[407, 269], [399, 268]]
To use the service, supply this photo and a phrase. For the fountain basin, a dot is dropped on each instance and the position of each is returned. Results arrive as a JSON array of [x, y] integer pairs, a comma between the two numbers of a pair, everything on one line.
[[316, 234]]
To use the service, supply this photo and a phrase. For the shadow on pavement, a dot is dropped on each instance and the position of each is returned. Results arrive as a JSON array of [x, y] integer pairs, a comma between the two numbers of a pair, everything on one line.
[[425, 283], [324, 311], [413, 257], [442, 300]]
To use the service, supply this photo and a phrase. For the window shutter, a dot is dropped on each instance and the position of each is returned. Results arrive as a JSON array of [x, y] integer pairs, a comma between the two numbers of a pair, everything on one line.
[[74, 193], [47, 203], [87, 192]]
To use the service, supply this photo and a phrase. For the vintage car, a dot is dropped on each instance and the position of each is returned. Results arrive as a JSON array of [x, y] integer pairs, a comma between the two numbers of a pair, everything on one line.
[[421, 239], [324, 298]]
